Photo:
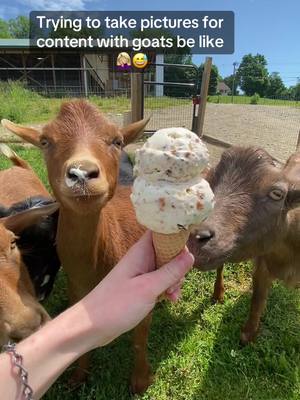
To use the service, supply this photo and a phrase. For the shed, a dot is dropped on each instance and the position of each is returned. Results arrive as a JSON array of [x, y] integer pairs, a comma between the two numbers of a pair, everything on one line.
[[223, 89]]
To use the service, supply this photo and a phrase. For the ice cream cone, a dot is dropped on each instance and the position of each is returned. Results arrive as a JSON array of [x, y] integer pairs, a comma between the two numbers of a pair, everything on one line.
[[168, 246]]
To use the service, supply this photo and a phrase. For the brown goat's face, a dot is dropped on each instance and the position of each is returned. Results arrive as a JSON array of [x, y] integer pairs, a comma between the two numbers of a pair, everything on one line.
[[82, 151], [253, 197], [20, 312]]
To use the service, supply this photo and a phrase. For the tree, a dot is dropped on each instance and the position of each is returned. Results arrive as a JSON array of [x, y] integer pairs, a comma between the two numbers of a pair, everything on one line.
[[253, 74], [19, 27], [179, 74], [214, 78], [14, 28], [275, 87], [295, 90], [229, 81], [4, 29]]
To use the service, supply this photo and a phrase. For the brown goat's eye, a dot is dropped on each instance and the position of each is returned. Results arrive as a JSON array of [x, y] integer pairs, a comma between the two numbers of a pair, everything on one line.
[[13, 243], [44, 142], [276, 194], [118, 142]]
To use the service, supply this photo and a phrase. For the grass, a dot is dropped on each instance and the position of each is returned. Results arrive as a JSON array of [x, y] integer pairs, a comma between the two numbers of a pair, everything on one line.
[[24, 106], [21, 105], [247, 100], [194, 345]]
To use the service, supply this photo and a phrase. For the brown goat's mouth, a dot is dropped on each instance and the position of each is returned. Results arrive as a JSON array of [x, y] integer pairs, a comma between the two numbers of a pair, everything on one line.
[[90, 199], [82, 199], [86, 196], [85, 192]]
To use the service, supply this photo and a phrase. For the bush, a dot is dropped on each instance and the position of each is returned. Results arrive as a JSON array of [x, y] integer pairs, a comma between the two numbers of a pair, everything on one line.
[[20, 104], [255, 98], [14, 100]]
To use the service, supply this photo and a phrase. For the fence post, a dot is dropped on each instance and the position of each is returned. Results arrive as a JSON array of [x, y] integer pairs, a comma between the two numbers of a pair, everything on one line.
[[137, 96], [53, 71], [84, 73], [298, 142], [203, 96]]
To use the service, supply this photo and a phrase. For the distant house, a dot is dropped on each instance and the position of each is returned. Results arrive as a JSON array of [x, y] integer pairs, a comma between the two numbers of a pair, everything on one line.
[[223, 89]]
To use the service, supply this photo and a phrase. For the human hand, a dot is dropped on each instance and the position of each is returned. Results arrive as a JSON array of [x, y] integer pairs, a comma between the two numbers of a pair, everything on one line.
[[129, 292], [116, 305]]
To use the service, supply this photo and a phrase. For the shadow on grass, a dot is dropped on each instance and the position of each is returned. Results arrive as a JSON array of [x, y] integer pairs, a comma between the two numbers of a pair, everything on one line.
[[220, 367], [267, 369], [111, 366]]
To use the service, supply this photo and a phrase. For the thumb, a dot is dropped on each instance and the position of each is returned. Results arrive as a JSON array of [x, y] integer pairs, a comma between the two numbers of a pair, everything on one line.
[[169, 274]]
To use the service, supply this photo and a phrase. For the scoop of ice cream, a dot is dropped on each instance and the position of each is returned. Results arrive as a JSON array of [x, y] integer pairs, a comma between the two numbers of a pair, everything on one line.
[[172, 154], [169, 193], [167, 207]]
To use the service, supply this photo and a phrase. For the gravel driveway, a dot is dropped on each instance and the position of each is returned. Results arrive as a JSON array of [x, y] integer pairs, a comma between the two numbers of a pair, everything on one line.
[[274, 128]]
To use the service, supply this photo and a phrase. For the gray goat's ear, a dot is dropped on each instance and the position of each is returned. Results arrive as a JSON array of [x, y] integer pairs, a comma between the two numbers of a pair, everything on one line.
[[293, 198], [291, 170], [291, 173]]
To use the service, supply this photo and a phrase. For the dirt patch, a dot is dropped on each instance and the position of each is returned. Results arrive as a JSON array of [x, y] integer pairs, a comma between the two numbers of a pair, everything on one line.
[[274, 128]]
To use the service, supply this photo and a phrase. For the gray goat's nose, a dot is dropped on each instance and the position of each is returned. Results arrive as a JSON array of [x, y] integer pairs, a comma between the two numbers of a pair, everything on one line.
[[205, 234], [83, 171]]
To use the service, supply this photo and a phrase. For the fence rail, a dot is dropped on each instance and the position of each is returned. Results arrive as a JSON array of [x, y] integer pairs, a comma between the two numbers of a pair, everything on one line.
[[272, 123]]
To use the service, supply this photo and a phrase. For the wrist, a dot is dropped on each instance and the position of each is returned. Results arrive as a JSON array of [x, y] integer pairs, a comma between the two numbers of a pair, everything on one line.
[[76, 330]]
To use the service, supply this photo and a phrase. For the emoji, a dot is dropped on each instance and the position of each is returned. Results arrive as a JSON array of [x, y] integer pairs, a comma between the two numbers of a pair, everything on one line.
[[140, 60], [123, 61]]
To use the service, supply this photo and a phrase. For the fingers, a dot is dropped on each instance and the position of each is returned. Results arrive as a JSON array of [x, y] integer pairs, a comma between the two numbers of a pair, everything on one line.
[[170, 274], [174, 296], [175, 287], [139, 259]]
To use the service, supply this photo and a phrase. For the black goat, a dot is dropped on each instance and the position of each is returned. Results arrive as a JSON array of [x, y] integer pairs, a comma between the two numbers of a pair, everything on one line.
[[37, 245]]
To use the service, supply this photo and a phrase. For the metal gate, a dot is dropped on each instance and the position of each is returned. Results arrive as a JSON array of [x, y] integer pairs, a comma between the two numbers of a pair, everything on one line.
[[165, 107]]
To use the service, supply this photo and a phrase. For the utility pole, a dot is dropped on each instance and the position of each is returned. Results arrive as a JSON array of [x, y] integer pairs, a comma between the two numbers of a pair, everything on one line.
[[235, 64]]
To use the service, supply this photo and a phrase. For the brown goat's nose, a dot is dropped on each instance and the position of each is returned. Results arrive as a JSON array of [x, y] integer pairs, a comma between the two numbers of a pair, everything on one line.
[[82, 171]]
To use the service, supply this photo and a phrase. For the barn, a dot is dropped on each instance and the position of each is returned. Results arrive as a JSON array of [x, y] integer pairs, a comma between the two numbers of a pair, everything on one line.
[[60, 73]]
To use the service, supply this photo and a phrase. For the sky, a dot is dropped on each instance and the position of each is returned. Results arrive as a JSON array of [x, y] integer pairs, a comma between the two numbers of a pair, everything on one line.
[[269, 27]]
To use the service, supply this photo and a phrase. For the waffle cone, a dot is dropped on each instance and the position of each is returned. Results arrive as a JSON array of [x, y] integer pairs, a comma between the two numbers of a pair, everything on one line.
[[168, 246]]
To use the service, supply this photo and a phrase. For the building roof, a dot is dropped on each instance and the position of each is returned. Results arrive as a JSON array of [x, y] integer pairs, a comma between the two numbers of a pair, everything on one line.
[[222, 87], [14, 43]]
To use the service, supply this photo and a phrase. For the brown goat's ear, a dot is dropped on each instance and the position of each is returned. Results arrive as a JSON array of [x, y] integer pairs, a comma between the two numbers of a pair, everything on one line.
[[18, 222], [132, 131], [24, 132]]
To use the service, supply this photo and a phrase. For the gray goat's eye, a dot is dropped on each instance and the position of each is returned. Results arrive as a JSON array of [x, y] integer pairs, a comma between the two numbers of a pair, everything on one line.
[[276, 194]]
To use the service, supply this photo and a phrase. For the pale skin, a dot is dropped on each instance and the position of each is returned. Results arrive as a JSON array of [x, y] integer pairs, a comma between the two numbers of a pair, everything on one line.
[[115, 306]]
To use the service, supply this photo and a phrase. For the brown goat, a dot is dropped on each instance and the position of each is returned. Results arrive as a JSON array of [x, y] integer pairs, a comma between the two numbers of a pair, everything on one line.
[[97, 222], [20, 312], [18, 182], [255, 216]]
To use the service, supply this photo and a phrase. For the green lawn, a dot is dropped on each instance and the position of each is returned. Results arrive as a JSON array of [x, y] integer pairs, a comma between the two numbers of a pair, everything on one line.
[[247, 99], [194, 345], [24, 106]]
